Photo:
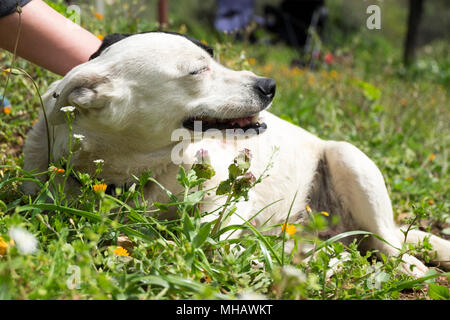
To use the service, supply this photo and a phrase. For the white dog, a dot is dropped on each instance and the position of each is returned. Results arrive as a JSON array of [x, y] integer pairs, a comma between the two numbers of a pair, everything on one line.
[[140, 93]]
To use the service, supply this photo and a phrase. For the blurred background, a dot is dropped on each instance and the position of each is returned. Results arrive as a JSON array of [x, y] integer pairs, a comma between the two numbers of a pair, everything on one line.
[[310, 28]]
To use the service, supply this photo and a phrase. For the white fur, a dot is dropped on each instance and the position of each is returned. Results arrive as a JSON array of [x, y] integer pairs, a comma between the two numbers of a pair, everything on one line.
[[131, 99]]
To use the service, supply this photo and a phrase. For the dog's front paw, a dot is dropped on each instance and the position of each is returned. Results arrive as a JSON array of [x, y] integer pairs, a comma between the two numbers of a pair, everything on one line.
[[413, 266]]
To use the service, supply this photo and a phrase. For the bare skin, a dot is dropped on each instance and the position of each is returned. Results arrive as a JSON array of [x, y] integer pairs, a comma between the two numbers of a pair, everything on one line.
[[47, 38]]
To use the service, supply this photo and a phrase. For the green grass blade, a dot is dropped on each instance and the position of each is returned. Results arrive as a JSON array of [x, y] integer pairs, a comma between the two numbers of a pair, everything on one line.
[[410, 283], [261, 237], [337, 238], [89, 215]]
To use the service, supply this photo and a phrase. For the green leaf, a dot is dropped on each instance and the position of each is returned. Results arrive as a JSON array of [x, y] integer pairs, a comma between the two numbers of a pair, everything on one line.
[[172, 197], [438, 292], [202, 235], [223, 188], [9, 181], [234, 171], [410, 283], [261, 238], [194, 198], [337, 238], [203, 170], [431, 272], [190, 286], [144, 178], [244, 256], [154, 280], [230, 227], [188, 227], [182, 178], [2, 206], [89, 215], [371, 92], [161, 206], [266, 254]]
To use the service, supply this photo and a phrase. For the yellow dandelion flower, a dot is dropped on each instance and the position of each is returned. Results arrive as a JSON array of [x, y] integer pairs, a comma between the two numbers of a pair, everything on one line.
[[289, 229], [5, 71], [308, 208], [296, 71], [326, 214], [101, 187], [182, 29], [3, 246], [251, 61], [268, 68], [7, 110], [334, 74], [98, 15], [431, 157], [101, 37], [121, 252]]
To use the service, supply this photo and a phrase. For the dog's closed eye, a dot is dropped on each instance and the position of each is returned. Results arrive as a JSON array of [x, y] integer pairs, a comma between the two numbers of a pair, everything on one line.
[[198, 71]]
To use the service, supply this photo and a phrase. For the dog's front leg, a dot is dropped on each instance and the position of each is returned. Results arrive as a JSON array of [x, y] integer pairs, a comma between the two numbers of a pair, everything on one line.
[[362, 193]]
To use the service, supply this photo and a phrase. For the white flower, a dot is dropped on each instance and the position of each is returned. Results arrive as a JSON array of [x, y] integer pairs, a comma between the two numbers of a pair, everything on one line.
[[67, 109], [99, 161], [26, 242], [78, 136]]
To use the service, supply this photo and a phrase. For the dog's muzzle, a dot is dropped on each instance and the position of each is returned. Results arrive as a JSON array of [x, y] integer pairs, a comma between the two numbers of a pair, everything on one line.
[[265, 89]]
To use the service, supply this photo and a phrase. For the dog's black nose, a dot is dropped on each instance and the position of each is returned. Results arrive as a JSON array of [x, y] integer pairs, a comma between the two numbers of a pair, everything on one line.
[[266, 87]]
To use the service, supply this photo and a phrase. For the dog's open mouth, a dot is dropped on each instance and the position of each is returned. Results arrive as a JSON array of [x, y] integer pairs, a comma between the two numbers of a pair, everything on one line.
[[205, 123]]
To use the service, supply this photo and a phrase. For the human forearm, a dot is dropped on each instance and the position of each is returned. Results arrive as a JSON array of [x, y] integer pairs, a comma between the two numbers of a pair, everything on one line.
[[47, 38]]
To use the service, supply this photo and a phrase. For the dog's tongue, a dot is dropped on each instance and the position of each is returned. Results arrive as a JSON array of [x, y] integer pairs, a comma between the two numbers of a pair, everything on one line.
[[243, 122]]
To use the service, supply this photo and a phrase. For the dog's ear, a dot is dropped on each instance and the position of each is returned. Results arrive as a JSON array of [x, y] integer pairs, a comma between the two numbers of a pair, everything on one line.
[[109, 40], [83, 88]]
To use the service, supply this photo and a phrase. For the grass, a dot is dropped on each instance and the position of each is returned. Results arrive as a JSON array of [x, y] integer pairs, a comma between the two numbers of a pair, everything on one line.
[[398, 116]]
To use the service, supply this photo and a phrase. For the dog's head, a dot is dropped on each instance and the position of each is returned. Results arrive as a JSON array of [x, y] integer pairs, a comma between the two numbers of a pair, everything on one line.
[[147, 85]]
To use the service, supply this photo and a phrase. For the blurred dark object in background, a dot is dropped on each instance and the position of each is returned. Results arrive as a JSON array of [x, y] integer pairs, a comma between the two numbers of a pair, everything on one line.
[[292, 20], [414, 18], [163, 14], [235, 15]]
